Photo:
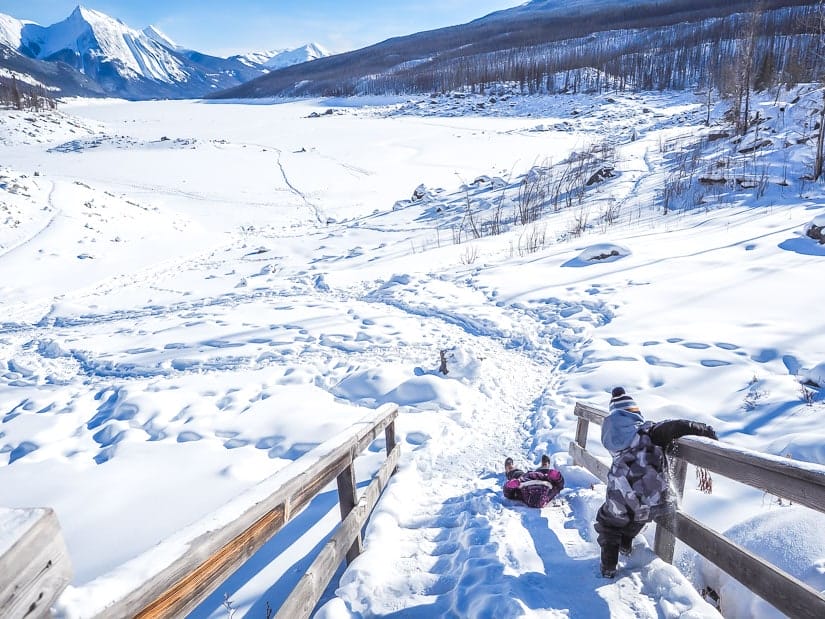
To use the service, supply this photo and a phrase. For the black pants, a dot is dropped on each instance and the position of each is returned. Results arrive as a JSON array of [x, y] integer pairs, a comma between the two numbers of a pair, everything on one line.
[[613, 534]]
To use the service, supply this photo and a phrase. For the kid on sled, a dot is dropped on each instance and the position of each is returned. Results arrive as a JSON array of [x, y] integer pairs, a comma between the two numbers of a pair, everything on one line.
[[535, 488]]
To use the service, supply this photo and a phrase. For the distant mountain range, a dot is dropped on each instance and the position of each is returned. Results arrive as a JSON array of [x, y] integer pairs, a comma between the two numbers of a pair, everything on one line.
[[280, 58], [92, 54], [539, 46]]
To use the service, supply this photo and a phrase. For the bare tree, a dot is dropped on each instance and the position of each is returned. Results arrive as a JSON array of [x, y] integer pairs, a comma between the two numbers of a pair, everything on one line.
[[819, 156], [743, 76], [16, 99]]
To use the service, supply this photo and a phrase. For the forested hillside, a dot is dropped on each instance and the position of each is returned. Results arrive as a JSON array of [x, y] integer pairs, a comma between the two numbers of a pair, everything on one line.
[[652, 46]]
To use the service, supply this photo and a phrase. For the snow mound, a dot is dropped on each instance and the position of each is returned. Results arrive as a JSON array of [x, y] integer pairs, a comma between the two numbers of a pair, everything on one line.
[[815, 375], [601, 252], [781, 537], [814, 228]]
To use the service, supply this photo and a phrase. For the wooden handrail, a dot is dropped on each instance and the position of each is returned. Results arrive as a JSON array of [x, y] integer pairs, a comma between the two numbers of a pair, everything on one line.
[[213, 556], [34, 563], [309, 589], [189, 566], [798, 481]]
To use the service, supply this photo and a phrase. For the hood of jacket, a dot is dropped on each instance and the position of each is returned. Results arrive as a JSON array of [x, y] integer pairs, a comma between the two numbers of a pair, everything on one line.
[[619, 428]]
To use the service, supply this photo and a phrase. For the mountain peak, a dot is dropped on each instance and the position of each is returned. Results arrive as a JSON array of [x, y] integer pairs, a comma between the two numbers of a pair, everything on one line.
[[94, 18], [280, 58], [305, 53], [159, 37], [89, 36]]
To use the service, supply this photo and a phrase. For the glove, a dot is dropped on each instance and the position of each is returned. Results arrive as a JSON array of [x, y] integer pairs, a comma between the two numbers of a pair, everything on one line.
[[708, 431], [703, 429]]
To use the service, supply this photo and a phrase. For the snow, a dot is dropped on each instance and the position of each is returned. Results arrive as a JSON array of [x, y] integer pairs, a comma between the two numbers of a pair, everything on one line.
[[24, 78], [194, 296], [783, 537], [305, 53], [815, 375], [10, 30], [15, 522]]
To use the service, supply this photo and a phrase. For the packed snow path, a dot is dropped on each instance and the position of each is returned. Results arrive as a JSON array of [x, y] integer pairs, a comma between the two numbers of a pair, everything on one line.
[[459, 548]]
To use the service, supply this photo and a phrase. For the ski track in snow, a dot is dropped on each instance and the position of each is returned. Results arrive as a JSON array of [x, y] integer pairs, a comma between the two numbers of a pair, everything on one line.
[[316, 211]]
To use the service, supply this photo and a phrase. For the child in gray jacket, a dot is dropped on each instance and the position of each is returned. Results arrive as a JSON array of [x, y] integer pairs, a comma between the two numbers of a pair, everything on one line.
[[638, 487]]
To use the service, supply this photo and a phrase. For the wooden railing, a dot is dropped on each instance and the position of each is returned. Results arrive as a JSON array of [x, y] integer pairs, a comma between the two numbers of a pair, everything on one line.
[[189, 566], [34, 564], [799, 482]]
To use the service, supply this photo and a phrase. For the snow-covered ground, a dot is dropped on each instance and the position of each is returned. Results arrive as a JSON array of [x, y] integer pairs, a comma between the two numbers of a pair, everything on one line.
[[193, 295]]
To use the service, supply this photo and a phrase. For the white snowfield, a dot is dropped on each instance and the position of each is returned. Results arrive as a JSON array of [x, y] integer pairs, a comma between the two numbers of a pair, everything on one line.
[[193, 295]]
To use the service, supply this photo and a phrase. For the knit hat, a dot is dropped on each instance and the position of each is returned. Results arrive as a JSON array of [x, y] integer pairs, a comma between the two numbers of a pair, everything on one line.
[[619, 399], [622, 423]]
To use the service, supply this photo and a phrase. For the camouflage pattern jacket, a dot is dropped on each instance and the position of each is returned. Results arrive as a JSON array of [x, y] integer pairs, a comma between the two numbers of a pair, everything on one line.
[[638, 488], [638, 483]]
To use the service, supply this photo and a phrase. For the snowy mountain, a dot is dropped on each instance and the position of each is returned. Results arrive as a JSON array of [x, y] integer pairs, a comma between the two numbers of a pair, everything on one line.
[[10, 31], [101, 46], [280, 58], [52, 77], [114, 59]]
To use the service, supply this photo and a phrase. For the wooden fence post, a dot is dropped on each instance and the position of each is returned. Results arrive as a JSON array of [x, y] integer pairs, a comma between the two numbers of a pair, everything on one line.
[[664, 541], [389, 434], [347, 500], [581, 432]]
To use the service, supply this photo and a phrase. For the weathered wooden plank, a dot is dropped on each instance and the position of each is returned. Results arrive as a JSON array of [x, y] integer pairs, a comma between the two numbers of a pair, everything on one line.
[[590, 413], [313, 485], [347, 500], [584, 458], [310, 587], [387, 418], [183, 596], [788, 594], [389, 436], [34, 563], [800, 482], [208, 559]]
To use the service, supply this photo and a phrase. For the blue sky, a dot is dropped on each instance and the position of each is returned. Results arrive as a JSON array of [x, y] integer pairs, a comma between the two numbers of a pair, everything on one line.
[[224, 27]]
